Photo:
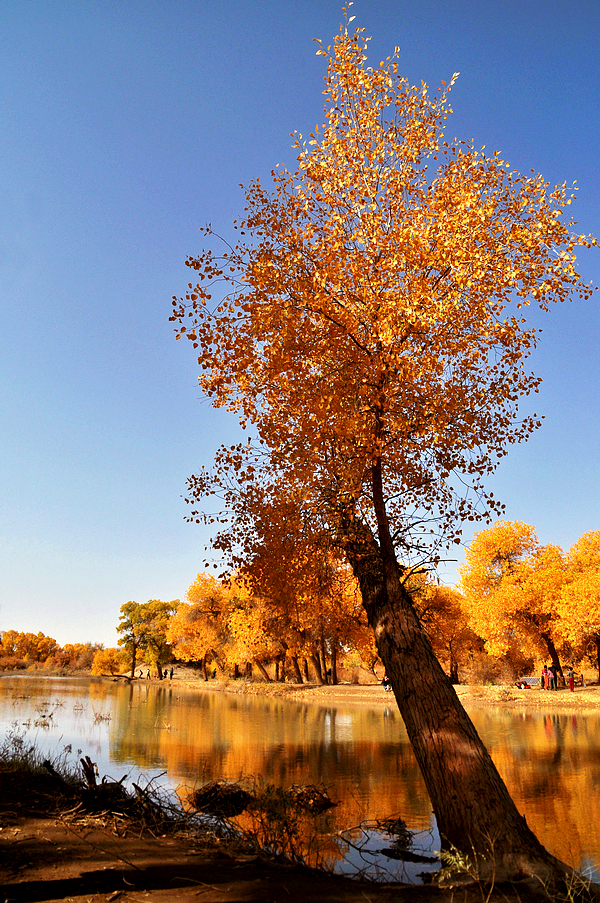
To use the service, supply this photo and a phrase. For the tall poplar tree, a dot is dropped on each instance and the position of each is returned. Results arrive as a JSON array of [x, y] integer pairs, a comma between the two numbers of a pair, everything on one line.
[[368, 329]]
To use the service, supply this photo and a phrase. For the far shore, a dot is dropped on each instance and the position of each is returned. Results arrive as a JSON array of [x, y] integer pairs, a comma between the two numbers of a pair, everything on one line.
[[343, 694], [367, 694]]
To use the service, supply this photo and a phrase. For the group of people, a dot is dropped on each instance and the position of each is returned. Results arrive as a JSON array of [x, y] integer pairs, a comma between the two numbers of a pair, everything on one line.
[[548, 680], [162, 676]]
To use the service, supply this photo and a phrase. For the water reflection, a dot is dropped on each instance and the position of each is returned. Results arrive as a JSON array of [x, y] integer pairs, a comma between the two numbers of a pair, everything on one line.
[[551, 763]]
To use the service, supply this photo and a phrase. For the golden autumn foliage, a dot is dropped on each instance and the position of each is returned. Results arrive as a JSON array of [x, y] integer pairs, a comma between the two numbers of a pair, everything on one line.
[[230, 623], [371, 313], [110, 661], [197, 626], [143, 629], [579, 602], [30, 647], [368, 327], [20, 649], [444, 616], [511, 585]]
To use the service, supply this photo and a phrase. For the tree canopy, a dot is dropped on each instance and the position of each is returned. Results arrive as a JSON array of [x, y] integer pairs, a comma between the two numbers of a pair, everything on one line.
[[511, 586], [369, 330], [143, 629]]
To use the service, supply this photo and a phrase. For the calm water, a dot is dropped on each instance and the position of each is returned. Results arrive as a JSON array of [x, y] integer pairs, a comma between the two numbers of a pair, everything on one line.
[[551, 763]]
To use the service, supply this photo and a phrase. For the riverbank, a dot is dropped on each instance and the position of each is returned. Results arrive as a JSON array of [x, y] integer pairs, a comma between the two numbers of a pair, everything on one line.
[[373, 695], [52, 849]]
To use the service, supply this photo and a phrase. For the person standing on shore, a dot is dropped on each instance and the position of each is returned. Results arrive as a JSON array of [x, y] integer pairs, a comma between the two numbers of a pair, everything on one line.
[[571, 679], [544, 681]]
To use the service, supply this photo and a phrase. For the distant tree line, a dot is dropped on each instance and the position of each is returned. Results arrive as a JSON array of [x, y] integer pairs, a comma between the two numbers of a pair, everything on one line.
[[518, 604], [20, 650]]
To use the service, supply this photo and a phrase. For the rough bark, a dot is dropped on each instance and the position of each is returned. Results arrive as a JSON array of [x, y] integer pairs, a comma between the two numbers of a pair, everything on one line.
[[316, 663], [475, 813]]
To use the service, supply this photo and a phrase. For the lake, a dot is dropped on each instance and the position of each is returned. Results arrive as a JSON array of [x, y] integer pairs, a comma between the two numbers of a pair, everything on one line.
[[185, 738]]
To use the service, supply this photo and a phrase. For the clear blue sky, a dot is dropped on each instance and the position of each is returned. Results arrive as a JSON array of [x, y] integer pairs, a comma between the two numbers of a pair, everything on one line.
[[128, 124]]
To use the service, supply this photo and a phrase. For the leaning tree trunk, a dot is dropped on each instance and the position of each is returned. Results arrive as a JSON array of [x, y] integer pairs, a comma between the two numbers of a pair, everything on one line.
[[263, 671], [474, 811], [552, 653]]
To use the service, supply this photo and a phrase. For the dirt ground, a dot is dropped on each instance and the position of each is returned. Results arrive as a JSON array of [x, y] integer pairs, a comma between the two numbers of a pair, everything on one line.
[[50, 850], [374, 695]]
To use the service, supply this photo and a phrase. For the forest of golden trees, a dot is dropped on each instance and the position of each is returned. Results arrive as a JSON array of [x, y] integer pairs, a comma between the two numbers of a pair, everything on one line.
[[518, 604]]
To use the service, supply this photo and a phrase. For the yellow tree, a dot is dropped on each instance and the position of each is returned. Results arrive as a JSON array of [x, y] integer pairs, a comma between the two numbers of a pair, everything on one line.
[[198, 629], [109, 661], [442, 613], [308, 585], [369, 331], [511, 586], [143, 629], [579, 603]]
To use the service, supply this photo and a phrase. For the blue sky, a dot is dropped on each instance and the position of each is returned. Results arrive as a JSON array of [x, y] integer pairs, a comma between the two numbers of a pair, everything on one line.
[[126, 125]]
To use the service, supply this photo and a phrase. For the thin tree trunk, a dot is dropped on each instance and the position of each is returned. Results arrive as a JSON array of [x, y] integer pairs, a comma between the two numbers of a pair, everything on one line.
[[218, 660], [334, 674], [305, 666], [323, 659], [453, 667], [475, 813]]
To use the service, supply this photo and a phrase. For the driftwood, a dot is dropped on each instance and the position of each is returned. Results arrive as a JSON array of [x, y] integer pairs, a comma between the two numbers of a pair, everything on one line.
[[220, 798], [310, 798]]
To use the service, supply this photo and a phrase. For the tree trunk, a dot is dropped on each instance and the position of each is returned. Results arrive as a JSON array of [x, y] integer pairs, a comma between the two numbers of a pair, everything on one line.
[[334, 674], [323, 659], [475, 813], [316, 663], [305, 666], [283, 666], [454, 672], [296, 669], [263, 671], [553, 653], [218, 660]]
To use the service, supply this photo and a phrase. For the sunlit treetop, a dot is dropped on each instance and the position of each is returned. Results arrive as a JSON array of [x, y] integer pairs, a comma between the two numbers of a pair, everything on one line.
[[369, 323]]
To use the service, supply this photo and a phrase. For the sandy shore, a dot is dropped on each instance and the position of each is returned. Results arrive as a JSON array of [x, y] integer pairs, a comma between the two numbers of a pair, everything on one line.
[[374, 695]]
